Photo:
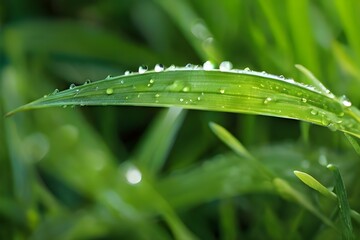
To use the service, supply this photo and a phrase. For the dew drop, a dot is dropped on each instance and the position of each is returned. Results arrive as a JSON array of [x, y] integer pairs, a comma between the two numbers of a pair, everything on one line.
[[87, 82], [157, 95], [189, 66], [55, 91], [181, 99], [127, 72], [325, 121], [186, 89], [109, 91], [314, 112], [281, 77], [304, 100], [143, 69], [222, 91], [72, 86], [225, 66], [345, 101], [159, 68], [108, 77], [198, 98], [267, 100], [247, 69], [151, 82], [171, 68], [333, 127], [208, 65]]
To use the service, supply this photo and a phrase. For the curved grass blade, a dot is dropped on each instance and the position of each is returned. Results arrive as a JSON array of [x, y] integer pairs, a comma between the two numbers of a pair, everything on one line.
[[194, 87], [315, 184]]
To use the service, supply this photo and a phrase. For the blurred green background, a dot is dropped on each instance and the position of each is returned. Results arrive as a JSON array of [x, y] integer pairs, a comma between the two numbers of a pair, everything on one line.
[[149, 173]]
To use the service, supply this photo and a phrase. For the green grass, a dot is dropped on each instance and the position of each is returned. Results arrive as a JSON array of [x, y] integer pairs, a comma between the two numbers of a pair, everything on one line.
[[132, 157]]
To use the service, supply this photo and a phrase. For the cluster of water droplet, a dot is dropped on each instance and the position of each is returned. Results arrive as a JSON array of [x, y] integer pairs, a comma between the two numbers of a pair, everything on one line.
[[224, 66]]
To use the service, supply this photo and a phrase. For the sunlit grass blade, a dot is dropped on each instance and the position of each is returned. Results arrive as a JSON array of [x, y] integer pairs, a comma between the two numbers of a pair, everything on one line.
[[345, 214], [192, 87]]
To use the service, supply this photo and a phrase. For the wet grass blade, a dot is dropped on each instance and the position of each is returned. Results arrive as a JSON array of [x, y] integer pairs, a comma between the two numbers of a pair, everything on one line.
[[193, 87]]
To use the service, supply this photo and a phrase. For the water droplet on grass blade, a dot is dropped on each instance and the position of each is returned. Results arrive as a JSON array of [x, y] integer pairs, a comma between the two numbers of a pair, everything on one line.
[[55, 91], [268, 100], [314, 112], [108, 77], [143, 69], [222, 91], [109, 91], [87, 82], [151, 82], [208, 65], [171, 68], [304, 100], [159, 68], [127, 72], [72, 86], [225, 66], [345, 101], [333, 127], [189, 66], [247, 69], [186, 89]]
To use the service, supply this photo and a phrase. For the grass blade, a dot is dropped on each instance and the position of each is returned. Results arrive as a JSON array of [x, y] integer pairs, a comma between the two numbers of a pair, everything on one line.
[[193, 87], [314, 184], [345, 218], [154, 149]]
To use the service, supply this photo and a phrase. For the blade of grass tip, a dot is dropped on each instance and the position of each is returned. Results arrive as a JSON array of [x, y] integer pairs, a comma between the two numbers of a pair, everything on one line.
[[223, 89], [235, 145], [347, 229], [156, 145], [315, 184], [287, 191], [353, 143]]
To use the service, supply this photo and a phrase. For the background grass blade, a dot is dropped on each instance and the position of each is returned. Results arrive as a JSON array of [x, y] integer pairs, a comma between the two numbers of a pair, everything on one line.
[[344, 207]]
